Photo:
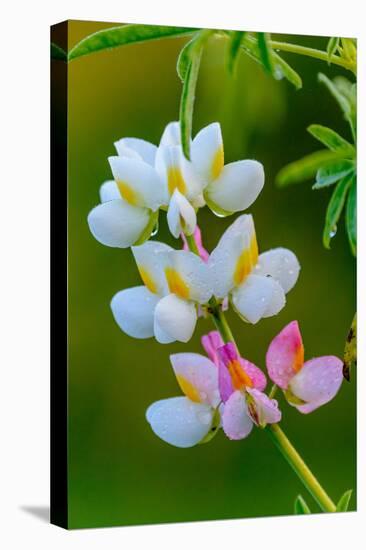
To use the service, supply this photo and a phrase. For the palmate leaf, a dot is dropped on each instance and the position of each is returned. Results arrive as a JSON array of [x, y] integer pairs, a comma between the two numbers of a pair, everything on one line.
[[351, 216], [300, 506], [331, 173], [123, 35], [306, 168], [345, 97], [343, 503], [335, 208], [235, 40], [331, 139], [57, 52]]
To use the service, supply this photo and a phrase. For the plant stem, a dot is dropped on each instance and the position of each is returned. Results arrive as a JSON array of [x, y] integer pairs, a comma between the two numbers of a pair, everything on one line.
[[296, 462], [312, 52], [274, 431]]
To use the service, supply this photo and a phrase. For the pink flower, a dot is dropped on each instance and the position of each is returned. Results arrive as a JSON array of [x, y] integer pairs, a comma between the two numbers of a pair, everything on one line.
[[198, 240], [241, 384], [306, 385]]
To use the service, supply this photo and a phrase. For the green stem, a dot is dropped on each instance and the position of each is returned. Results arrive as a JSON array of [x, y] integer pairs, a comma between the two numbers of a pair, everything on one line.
[[277, 435], [304, 473], [312, 52]]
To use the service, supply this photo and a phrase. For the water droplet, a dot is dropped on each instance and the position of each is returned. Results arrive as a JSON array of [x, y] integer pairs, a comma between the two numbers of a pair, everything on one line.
[[155, 230], [333, 232]]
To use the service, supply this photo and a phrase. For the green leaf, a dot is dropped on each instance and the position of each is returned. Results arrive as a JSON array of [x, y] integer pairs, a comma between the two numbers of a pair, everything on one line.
[[351, 217], [344, 100], [331, 139], [122, 35], [265, 52], [300, 506], [332, 46], [306, 167], [188, 52], [334, 209], [282, 68], [235, 41], [190, 68], [344, 501], [57, 52], [331, 173], [350, 349]]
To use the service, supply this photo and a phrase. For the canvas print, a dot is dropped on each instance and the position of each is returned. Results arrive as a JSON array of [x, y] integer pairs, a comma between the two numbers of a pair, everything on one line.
[[204, 274]]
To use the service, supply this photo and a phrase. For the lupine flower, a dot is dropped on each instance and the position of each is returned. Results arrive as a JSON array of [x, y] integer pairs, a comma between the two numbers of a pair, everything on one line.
[[147, 177], [175, 283], [256, 284], [228, 188], [306, 385], [130, 203], [241, 384], [187, 421]]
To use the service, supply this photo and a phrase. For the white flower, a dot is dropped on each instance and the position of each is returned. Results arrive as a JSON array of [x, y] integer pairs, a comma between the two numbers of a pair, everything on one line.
[[228, 188], [147, 178], [175, 282], [255, 284]]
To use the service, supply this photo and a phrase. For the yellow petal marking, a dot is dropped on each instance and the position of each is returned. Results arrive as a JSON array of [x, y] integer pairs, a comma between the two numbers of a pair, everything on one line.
[[238, 375], [128, 193], [217, 163], [246, 261], [148, 280], [299, 358], [176, 283], [188, 389], [176, 181]]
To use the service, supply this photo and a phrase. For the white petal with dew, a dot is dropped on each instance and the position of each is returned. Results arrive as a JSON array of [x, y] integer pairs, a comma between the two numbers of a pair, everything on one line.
[[133, 311], [258, 297], [175, 319], [181, 215]]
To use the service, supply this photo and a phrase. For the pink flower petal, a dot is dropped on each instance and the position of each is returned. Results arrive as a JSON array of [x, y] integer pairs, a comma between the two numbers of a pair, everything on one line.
[[197, 377], [263, 409], [285, 355], [198, 240], [317, 382], [211, 343], [255, 373], [226, 387], [236, 421]]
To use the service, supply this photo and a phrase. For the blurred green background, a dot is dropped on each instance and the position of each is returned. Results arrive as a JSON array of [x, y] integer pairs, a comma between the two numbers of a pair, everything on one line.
[[119, 471]]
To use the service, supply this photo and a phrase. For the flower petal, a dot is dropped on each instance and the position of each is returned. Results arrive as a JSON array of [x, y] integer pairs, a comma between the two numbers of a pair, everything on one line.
[[143, 150], [178, 173], [236, 421], [118, 224], [109, 191], [188, 276], [197, 377], [151, 259], [234, 257], [176, 318], [181, 215], [179, 421], [138, 182], [258, 297], [281, 264], [211, 342], [263, 410], [171, 135], [317, 382], [133, 311], [255, 374], [285, 355], [237, 186], [207, 152]]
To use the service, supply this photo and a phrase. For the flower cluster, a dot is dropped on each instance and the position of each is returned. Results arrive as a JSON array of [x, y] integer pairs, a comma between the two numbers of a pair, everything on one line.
[[223, 390], [148, 178]]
